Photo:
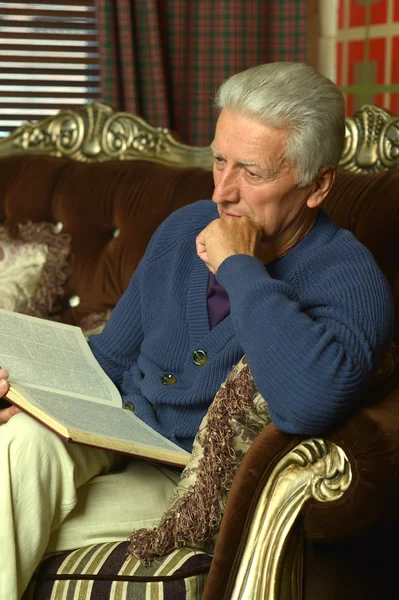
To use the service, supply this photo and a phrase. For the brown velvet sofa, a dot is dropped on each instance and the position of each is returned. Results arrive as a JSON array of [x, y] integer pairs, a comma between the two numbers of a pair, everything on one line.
[[306, 518]]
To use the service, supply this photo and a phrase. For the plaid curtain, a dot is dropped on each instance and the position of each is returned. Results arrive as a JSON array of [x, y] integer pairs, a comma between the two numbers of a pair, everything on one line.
[[164, 59]]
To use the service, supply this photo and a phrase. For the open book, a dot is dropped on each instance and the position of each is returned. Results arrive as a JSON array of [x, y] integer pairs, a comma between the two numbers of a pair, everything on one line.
[[55, 378]]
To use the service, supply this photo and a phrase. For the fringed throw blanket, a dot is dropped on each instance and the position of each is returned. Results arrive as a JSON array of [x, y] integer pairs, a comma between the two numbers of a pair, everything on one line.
[[236, 416]]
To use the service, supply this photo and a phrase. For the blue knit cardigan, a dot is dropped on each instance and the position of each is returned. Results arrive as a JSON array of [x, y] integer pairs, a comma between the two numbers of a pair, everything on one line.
[[313, 324]]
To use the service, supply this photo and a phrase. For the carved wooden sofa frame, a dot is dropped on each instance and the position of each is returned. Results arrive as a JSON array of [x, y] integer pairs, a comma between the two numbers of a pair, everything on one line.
[[315, 468]]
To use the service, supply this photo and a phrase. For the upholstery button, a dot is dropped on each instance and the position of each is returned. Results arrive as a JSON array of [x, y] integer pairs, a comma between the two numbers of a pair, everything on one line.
[[200, 357], [168, 379], [58, 227], [74, 301], [129, 406]]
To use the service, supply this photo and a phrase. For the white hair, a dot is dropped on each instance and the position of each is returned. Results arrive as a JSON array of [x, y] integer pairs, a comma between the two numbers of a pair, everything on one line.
[[296, 97]]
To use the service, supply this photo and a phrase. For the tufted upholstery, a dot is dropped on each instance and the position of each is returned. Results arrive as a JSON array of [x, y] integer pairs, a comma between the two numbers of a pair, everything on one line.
[[92, 201]]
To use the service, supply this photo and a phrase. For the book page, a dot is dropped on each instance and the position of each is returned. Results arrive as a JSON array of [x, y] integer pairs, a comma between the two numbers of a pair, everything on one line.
[[53, 356], [108, 421]]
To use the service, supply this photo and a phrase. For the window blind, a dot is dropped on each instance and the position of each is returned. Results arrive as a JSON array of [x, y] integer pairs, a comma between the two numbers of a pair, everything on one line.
[[48, 59]]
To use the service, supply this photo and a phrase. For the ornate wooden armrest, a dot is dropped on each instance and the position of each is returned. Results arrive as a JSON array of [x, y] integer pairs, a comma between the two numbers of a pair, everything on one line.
[[340, 487], [315, 468]]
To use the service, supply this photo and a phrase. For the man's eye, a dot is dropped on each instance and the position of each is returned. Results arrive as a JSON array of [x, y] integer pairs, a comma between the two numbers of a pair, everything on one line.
[[252, 175], [219, 162]]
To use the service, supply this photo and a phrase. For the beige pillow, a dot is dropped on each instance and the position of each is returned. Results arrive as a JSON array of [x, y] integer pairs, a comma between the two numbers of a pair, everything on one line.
[[236, 416], [34, 266], [20, 269]]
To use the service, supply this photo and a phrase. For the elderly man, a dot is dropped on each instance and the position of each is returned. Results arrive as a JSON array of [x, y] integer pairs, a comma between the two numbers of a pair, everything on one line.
[[260, 270]]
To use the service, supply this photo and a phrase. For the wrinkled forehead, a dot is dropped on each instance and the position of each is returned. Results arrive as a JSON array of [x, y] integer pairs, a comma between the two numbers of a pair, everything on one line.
[[249, 140]]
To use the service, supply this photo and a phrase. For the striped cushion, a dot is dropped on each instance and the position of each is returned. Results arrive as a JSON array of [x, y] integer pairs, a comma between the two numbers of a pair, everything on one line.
[[105, 572]]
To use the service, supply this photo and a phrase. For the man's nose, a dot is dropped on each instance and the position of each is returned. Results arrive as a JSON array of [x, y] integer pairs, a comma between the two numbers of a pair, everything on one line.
[[226, 187]]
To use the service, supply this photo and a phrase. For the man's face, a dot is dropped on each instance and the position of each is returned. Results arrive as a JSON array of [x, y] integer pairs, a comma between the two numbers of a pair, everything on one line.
[[252, 177]]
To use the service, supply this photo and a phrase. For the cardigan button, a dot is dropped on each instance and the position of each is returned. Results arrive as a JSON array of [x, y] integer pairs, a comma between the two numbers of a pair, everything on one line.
[[129, 406], [168, 379], [199, 357]]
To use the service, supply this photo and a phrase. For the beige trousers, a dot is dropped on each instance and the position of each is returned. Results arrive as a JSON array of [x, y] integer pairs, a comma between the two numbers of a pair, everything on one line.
[[57, 496]]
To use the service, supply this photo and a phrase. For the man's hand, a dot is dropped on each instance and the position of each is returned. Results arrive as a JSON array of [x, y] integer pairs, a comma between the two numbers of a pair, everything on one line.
[[6, 413], [225, 237]]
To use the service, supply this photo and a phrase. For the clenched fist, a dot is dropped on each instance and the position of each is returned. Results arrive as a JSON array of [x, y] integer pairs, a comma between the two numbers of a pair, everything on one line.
[[225, 237]]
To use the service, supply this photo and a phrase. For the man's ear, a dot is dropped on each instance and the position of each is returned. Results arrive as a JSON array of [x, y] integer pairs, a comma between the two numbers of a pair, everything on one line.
[[321, 187]]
